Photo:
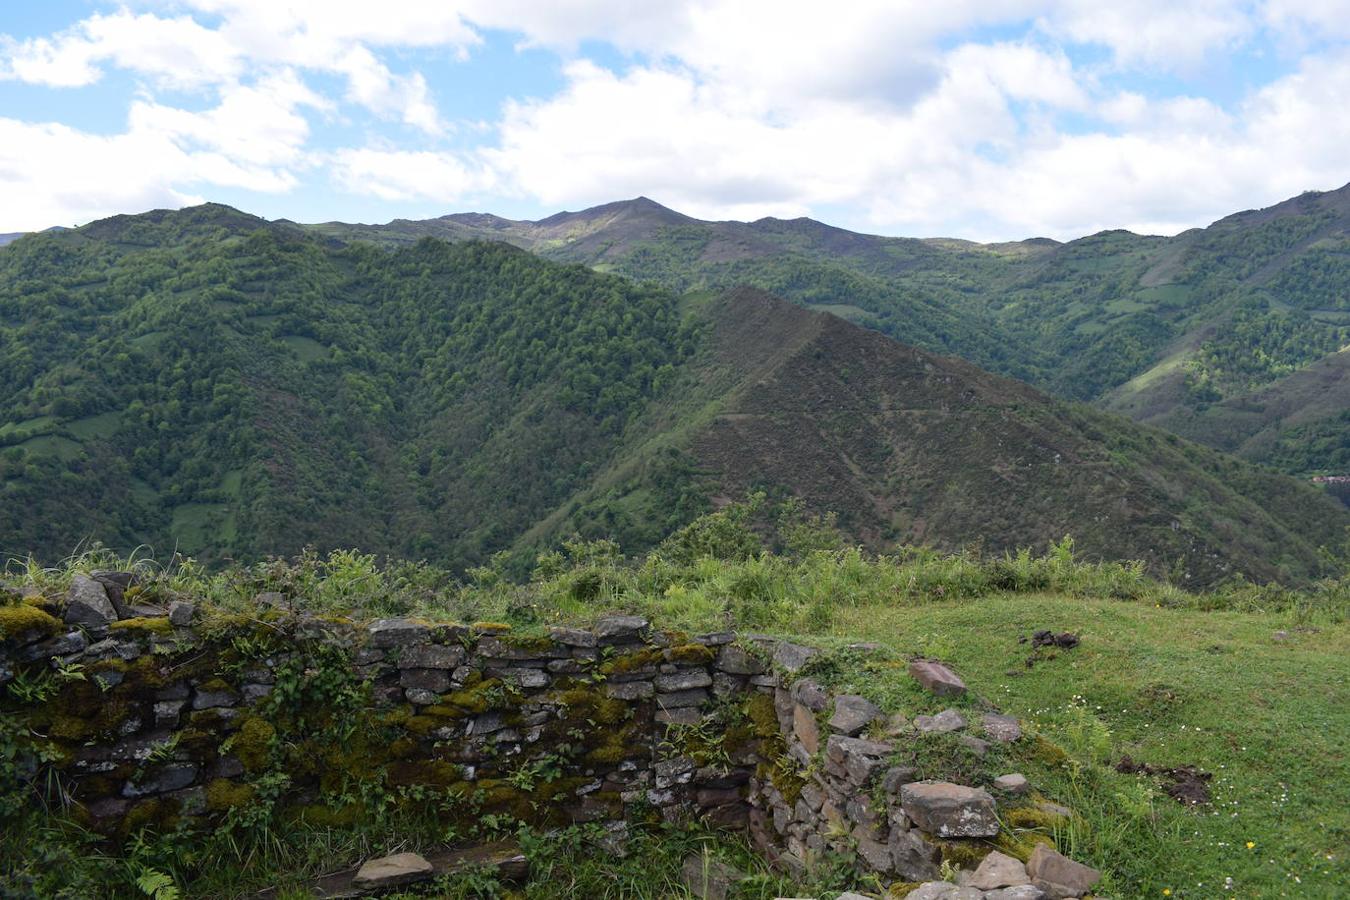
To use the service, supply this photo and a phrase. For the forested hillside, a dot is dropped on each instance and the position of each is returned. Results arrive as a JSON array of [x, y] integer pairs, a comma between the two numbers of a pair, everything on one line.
[[1155, 328], [207, 381]]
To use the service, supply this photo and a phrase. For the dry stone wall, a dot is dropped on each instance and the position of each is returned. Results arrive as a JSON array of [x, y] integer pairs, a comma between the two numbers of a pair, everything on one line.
[[149, 714]]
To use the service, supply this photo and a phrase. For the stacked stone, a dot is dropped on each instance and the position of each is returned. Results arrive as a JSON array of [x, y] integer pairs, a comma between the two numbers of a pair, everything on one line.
[[164, 720]]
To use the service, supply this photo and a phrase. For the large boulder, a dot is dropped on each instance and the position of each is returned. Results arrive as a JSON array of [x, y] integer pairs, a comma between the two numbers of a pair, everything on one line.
[[949, 810], [87, 603], [1058, 876]]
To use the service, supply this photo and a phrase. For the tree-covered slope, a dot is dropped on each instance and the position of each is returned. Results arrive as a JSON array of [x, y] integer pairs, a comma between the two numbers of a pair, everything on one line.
[[1154, 328], [233, 388]]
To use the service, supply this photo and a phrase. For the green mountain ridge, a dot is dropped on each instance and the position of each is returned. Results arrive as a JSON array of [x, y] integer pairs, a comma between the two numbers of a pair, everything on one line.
[[1155, 328], [206, 380]]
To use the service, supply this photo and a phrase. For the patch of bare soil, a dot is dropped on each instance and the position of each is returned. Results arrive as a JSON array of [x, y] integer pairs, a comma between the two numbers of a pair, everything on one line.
[[1188, 785]]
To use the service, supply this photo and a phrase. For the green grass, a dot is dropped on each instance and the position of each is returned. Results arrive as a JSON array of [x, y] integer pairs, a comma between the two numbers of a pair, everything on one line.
[[36, 425], [306, 349], [1213, 689], [51, 445], [91, 427]]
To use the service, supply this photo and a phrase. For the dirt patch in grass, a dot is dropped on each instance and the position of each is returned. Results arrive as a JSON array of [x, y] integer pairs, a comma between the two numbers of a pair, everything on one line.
[[1188, 785]]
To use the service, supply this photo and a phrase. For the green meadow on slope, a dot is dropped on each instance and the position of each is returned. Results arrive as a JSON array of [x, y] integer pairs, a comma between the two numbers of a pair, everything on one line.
[[209, 382]]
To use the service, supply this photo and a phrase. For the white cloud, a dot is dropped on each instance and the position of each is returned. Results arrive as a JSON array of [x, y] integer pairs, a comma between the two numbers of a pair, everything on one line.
[[1154, 33], [888, 109], [408, 175], [177, 51]]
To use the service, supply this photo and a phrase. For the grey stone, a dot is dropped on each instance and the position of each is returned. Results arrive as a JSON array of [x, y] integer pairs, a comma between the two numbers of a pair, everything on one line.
[[937, 678], [612, 629], [391, 871], [949, 810], [897, 777], [270, 598], [1004, 729], [431, 656], [811, 695], [168, 778], [421, 697], [683, 681], [527, 678], [384, 633], [974, 744], [434, 680], [676, 770], [486, 723], [852, 714], [630, 690], [944, 722], [792, 657], [87, 603], [874, 854], [167, 712], [181, 613], [932, 890], [735, 661], [214, 699], [61, 645], [677, 699], [998, 870], [1020, 892], [1058, 876], [687, 715], [573, 637], [840, 747], [715, 638], [1014, 784]]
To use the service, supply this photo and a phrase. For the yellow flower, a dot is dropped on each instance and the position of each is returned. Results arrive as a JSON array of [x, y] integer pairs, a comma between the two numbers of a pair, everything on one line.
[[1167, 892], [1251, 844]]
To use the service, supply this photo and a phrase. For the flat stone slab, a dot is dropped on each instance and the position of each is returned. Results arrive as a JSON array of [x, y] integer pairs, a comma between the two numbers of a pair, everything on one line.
[[392, 871], [1004, 729], [936, 678], [944, 722], [949, 810], [504, 856]]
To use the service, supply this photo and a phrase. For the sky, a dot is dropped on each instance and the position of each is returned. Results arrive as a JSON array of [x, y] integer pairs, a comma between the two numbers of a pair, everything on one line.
[[980, 119]]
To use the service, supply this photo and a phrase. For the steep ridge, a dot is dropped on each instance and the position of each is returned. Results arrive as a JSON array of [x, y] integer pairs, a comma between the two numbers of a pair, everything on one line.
[[911, 446], [207, 381]]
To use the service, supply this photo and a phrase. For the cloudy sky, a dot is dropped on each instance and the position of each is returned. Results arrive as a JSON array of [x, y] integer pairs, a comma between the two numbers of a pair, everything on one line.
[[987, 119]]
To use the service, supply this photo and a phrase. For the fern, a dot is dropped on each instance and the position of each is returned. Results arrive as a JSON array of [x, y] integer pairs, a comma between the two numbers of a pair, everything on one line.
[[157, 885]]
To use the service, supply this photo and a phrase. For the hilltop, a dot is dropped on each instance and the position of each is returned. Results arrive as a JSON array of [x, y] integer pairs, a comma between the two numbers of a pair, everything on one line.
[[209, 381], [1155, 328]]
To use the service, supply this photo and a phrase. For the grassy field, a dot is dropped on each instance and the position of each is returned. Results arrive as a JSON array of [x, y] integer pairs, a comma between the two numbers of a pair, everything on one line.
[[1253, 698]]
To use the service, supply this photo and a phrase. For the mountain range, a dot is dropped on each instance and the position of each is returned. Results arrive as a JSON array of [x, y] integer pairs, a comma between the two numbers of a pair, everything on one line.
[[209, 381], [1207, 333]]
